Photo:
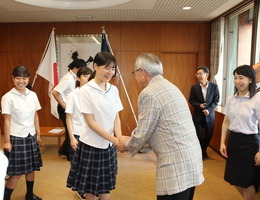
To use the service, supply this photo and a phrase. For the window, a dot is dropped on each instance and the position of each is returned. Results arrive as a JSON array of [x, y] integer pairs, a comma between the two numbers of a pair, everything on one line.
[[236, 45], [257, 46]]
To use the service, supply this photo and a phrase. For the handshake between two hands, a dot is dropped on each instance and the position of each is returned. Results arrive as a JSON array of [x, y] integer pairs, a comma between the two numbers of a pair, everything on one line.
[[121, 143]]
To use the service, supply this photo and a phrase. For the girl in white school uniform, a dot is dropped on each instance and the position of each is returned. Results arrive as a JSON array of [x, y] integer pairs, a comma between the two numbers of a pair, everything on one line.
[[73, 116], [61, 92], [241, 115], [22, 133], [94, 166]]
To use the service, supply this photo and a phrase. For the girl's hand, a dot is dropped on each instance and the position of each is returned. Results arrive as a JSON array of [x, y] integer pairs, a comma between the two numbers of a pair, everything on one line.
[[73, 143], [39, 140], [223, 150], [116, 142], [257, 159], [8, 146]]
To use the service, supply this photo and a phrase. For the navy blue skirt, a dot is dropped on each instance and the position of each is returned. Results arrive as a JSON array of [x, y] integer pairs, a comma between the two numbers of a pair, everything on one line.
[[24, 157], [72, 152], [240, 166], [93, 170]]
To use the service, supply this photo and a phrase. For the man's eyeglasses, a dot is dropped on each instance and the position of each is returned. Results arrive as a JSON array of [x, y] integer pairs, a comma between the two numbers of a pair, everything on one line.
[[133, 73], [199, 74]]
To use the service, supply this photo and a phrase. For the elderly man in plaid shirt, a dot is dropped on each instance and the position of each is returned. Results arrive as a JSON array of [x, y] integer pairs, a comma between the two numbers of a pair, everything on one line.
[[165, 125]]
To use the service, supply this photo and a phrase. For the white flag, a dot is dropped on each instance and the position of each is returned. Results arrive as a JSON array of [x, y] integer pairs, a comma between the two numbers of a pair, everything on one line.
[[48, 69]]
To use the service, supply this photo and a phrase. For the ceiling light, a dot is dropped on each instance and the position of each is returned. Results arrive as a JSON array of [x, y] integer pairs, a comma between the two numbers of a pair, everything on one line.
[[186, 8], [73, 4]]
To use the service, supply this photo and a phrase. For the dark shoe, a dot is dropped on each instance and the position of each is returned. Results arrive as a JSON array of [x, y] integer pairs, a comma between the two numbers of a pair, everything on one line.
[[205, 155], [33, 197]]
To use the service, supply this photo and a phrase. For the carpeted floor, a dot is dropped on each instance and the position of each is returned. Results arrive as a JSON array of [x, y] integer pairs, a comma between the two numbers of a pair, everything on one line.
[[135, 180]]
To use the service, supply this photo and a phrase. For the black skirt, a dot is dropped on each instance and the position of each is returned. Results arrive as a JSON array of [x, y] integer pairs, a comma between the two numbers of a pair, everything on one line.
[[93, 170], [240, 166], [25, 156]]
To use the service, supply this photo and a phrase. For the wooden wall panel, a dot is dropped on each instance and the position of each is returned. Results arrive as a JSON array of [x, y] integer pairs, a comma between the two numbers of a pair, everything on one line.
[[140, 36], [127, 118], [203, 58], [63, 28], [3, 36], [204, 37], [24, 43], [179, 37], [23, 37], [179, 68]]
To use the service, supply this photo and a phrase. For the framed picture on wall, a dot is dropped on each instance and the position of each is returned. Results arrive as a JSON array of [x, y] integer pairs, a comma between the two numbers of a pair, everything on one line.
[[85, 45]]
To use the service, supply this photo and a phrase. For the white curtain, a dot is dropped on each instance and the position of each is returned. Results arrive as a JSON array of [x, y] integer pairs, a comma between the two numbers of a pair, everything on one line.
[[215, 48]]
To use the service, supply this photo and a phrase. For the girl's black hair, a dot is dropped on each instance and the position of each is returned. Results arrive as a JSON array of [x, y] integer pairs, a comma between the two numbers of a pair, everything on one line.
[[248, 72], [84, 71], [20, 71], [104, 58], [78, 63]]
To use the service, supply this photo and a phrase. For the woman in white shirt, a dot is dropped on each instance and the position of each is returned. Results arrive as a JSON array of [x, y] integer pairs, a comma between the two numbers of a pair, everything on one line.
[[61, 92], [22, 133], [241, 116], [94, 166]]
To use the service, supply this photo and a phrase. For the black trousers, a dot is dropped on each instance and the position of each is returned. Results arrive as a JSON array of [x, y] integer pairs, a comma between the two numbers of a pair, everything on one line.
[[64, 149], [204, 132], [185, 195]]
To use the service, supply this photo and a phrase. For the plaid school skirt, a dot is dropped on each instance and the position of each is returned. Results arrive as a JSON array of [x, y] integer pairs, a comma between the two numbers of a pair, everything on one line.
[[24, 157], [72, 152], [240, 165], [93, 170]]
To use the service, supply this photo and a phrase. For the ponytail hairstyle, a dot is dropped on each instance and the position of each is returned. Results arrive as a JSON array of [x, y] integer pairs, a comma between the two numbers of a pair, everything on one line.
[[78, 63], [83, 71]]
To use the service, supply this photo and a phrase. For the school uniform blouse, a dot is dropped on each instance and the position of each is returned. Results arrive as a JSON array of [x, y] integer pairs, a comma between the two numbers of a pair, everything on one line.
[[22, 109], [66, 85], [104, 105], [72, 108], [243, 113]]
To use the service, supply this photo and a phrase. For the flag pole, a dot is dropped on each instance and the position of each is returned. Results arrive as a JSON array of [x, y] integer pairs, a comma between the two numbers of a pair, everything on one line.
[[120, 76], [34, 79]]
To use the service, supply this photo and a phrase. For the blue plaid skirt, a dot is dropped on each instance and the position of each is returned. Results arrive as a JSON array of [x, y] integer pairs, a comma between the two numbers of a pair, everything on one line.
[[24, 157], [72, 152], [93, 170]]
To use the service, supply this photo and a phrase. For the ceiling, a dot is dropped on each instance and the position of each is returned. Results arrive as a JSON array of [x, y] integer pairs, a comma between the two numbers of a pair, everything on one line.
[[133, 10]]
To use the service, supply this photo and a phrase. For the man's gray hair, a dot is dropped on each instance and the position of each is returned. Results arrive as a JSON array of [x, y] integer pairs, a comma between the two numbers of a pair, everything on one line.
[[150, 63]]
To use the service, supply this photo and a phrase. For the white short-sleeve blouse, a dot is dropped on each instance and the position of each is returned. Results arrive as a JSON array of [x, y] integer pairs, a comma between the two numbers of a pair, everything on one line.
[[66, 85], [72, 108], [104, 105], [22, 109], [243, 113]]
